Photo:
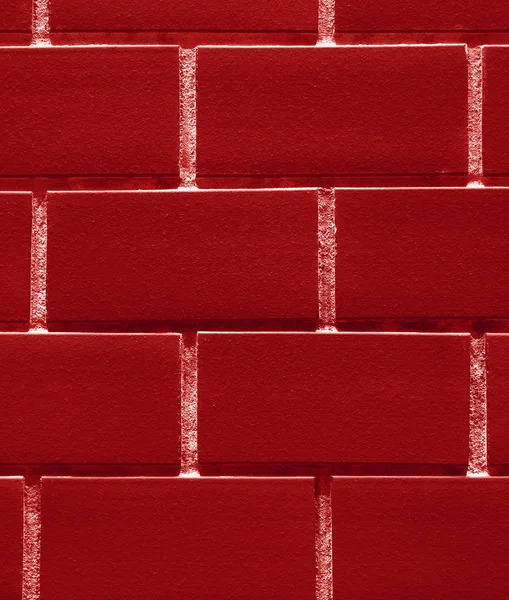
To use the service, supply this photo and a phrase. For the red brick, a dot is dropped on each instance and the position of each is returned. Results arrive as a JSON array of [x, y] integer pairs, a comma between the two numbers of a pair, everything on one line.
[[16, 15], [498, 398], [89, 111], [182, 255], [422, 538], [11, 534], [187, 15], [495, 110], [110, 398], [15, 232], [422, 253], [177, 538], [333, 398], [424, 15], [301, 111]]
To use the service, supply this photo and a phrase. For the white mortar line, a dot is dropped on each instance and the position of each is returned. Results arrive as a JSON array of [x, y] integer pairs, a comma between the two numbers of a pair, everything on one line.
[[31, 540], [326, 260], [189, 405], [478, 450], [40, 23], [475, 99], [38, 269], [326, 22], [187, 158], [323, 538]]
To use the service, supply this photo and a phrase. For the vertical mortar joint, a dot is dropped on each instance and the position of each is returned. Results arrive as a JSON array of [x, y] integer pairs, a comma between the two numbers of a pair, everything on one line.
[[323, 545], [475, 100], [31, 538], [326, 23], [187, 125], [478, 450], [41, 23], [38, 268], [189, 405], [326, 260]]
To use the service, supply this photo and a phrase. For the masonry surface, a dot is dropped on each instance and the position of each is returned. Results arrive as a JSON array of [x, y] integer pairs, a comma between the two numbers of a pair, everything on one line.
[[254, 311]]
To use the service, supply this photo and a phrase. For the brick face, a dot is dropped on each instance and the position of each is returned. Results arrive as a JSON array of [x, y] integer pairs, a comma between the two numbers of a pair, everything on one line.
[[223, 538], [314, 398], [333, 110], [254, 316]]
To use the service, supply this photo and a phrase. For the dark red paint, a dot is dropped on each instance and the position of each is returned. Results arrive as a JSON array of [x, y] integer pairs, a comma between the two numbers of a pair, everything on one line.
[[89, 111], [325, 111], [495, 110], [229, 255], [185, 15], [364, 398], [78, 398], [16, 15], [498, 398], [178, 538], [421, 538], [422, 253], [15, 231]]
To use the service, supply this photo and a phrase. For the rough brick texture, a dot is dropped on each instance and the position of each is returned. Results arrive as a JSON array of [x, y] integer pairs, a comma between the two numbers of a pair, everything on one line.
[[325, 398], [254, 302]]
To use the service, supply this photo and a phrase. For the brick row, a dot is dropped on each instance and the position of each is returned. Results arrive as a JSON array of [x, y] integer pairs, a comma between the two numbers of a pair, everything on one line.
[[206, 538], [264, 398], [247, 257], [393, 110], [265, 15]]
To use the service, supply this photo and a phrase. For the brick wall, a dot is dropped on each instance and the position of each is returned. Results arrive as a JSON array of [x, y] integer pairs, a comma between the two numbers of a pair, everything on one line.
[[253, 299]]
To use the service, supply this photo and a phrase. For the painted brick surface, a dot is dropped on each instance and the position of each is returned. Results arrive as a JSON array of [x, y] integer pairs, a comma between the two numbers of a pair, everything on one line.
[[422, 252], [420, 538], [16, 15], [495, 110], [89, 111], [223, 538], [183, 256], [498, 381], [206, 15], [253, 299], [11, 533], [429, 15], [333, 110], [315, 398], [89, 398], [15, 233]]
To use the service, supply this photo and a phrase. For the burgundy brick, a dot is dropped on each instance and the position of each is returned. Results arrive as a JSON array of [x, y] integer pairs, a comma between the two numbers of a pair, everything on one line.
[[177, 538], [495, 110], [187, 15], [422, 253], [15, 232], [183, 255], [422, 538], [100, 398], [360, 398], [423, 15], [11, 534], [16, 15], [498, 398], [89, 111], [301, 111]]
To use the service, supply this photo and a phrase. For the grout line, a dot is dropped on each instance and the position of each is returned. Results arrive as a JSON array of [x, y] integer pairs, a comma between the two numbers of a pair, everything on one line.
[[475, 101], [323, 541], [31, 539], [38, 268], [187, 158], [326, 22], [189, 405], [478, 450], [40, 23], [326, 260]]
